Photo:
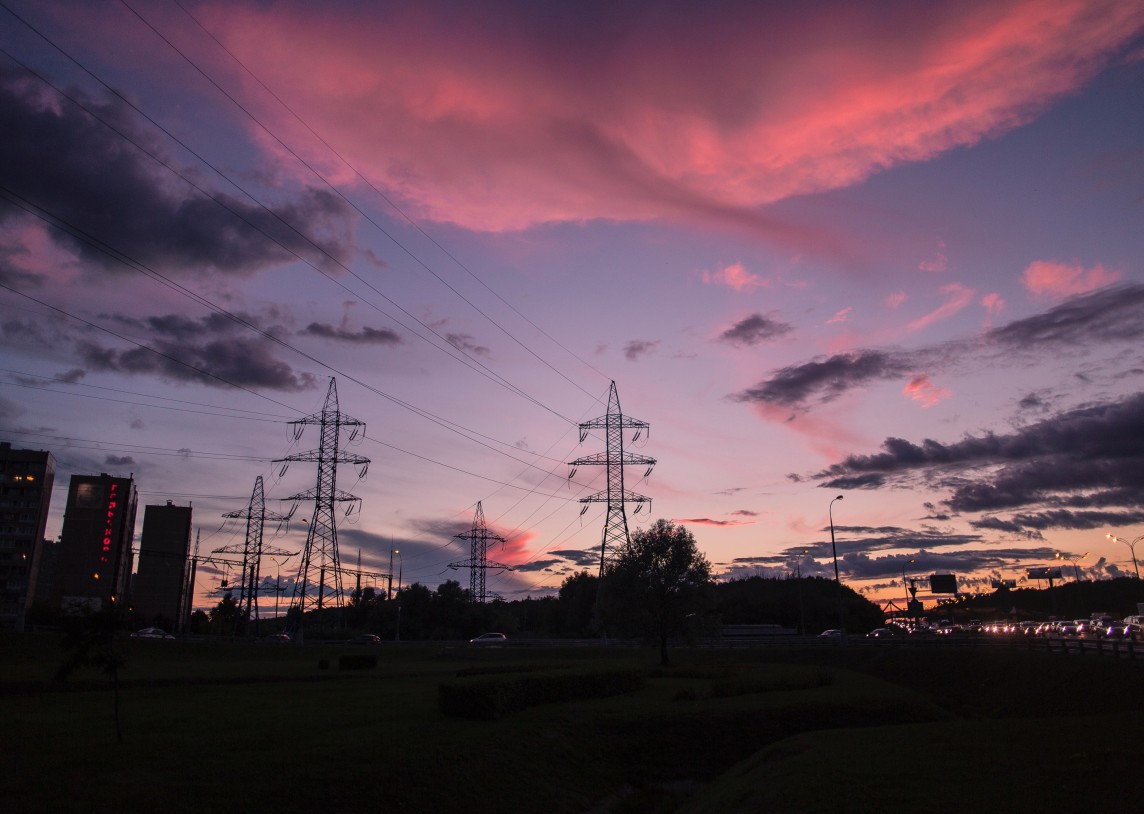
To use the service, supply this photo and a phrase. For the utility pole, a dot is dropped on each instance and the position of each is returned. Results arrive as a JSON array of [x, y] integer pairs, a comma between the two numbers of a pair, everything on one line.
[[479, 538], [321, 551]]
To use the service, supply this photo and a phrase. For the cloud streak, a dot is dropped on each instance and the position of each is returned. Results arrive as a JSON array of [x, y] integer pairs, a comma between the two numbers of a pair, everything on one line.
[[574, 114], [1113, 314]]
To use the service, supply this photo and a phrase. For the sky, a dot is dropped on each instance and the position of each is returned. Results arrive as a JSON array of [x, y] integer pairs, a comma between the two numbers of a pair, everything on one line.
[[890, 252]]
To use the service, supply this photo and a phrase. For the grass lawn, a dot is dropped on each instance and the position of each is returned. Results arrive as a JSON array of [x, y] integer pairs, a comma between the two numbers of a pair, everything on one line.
[[209, 726]]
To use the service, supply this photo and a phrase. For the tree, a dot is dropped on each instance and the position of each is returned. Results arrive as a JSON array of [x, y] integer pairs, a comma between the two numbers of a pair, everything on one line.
[[661, 578]]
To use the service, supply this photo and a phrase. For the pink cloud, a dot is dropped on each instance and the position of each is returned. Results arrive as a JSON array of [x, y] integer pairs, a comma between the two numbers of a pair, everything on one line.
[[957, 298], [841, 316], [922, 390], [734, 276], [499, 118], [938, 263], [993, 304], [1047, 279], [896, 299]]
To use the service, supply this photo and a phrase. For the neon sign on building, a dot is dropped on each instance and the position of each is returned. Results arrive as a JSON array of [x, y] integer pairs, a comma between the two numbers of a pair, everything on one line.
[[109, 522]]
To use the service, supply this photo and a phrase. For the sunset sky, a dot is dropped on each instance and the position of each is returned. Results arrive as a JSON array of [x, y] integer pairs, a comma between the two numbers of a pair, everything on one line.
[[888, 251]]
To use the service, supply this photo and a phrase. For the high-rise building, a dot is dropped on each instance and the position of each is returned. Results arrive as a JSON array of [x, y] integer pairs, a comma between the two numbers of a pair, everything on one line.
[[158, 586], [94, 566], [26, 478]]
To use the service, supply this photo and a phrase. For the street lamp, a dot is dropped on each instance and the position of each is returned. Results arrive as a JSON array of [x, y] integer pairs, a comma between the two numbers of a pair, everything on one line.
[[837, 581], [1074, 561], [1131, 547], [905, 587]]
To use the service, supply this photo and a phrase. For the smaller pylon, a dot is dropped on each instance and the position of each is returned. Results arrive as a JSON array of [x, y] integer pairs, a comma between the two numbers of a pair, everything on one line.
[[256, 516], [478, 563]]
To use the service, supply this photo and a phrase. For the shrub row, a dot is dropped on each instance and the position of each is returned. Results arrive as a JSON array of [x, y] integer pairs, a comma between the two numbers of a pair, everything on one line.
[[491, 697], [791, 680]]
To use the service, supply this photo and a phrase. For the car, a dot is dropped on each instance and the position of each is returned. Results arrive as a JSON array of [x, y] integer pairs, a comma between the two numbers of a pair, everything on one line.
[[151, 633], [882, 633], [277, 638], [831, 633], [489, 640], [365, 638]]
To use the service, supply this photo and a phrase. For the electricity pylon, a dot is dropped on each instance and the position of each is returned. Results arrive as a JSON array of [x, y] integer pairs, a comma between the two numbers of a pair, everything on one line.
[[256, 516], [615, 536], [478, 563], [320, 556]]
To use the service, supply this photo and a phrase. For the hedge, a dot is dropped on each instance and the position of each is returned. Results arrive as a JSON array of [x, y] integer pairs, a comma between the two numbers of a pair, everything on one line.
[[491, 697]]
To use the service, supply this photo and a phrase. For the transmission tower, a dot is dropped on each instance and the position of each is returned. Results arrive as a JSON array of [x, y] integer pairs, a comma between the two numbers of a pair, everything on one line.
[[615, 536], [478, 563], [320, 556], [255, 515]]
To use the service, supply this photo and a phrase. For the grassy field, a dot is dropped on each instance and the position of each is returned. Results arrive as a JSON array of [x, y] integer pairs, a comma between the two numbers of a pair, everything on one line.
[[213, 726]]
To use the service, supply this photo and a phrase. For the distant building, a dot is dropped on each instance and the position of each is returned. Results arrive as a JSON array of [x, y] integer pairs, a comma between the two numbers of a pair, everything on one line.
[[157, 591], [26, 479], [94, 564]]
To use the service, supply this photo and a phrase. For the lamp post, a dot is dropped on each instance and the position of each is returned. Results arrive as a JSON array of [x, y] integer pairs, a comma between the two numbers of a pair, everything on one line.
[[837, 581], [1131, 547], [1074, 561], [905, 587], [389, 584]]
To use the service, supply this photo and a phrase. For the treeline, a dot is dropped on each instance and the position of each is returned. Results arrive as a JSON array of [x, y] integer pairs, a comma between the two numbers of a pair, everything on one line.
[[418, 613]]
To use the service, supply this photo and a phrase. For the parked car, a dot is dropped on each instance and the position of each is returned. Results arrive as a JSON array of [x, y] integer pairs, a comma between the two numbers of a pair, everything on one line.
[[365, 638], [151, 633], [490, 640], [832, 633], [277, 638]]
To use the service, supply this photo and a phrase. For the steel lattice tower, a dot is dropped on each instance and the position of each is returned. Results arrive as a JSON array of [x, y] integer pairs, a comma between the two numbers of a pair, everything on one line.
[[320, 560], [256, 516], [615, 536], [478, 563]]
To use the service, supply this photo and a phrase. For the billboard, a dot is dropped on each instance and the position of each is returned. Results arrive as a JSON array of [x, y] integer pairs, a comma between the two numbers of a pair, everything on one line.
[[943, 583], [1043, 573], [1003, 583]]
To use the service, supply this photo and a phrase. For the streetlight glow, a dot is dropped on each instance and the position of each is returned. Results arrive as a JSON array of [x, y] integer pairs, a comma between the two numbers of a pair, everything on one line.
[[1131, 547]]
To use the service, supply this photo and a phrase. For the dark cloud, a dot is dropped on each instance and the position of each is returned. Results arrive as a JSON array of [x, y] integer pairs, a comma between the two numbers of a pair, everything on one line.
[[578, 557], [753, 330], [1110, 315], [91, 180], [1065, 519], [824, 380], [639, 347], [707, 521], [210, 350], [539, 565], [116, 460], [464, 342], [1081, 468], [366, 336], [219, 363], [1114, 314]]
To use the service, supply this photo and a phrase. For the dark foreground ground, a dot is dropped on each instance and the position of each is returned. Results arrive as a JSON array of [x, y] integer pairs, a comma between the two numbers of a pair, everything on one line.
[[214, 726]]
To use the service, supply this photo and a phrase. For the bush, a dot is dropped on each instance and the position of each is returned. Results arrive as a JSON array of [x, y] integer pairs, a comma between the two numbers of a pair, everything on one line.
[[491, 697]]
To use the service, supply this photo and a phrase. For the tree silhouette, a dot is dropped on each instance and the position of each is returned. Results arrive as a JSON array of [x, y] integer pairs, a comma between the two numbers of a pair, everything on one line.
[[659, 580]]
